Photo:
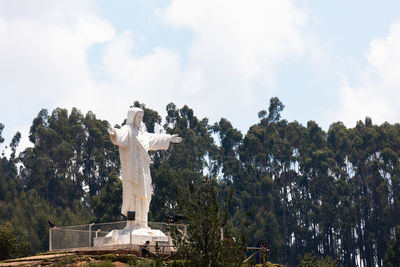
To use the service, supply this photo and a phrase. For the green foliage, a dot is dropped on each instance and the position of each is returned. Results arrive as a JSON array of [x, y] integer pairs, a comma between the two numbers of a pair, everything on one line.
[[335, 192], [10, 246], [392, 256], [1, 130], [311, 260], [107, 204], [13, 145], [7, 241], [99, 264], [182, 163], [206, 219]]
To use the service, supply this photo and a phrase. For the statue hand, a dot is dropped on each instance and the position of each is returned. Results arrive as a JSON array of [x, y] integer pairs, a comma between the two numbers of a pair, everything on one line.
[[111, 131], [176, 139]]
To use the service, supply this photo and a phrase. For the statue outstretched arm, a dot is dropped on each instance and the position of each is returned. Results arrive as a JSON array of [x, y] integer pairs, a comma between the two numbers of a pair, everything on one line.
[[119, 137], [176, 139], [111, 131], [162, 141]]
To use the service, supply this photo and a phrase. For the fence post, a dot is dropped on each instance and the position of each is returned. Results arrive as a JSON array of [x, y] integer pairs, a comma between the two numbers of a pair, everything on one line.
[[90, 234], [130, 234], [169, 238], [50, 240], [131, 218]]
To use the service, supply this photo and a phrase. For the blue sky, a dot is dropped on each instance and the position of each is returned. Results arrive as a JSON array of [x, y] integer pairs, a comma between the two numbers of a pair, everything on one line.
[[326, 60]]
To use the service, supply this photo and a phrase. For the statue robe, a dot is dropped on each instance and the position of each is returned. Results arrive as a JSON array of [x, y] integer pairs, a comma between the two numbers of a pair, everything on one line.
[[135, 167]]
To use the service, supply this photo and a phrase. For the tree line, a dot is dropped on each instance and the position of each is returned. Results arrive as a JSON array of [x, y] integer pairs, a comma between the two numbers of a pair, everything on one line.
[[304, 190]]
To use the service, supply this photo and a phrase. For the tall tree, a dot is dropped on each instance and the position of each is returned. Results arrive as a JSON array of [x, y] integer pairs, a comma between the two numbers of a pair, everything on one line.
[[206, 218], [181, 164]]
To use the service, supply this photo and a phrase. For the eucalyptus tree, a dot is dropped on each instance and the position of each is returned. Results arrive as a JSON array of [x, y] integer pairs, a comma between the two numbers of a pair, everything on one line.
[[364, 157], [266, 156], [340, 144], [1, 131], [100, 156], [392, 256], [228, 152], [182, 164]]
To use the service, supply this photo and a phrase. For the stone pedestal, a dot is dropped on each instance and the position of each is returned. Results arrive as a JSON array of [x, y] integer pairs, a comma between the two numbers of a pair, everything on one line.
[[133, 236]]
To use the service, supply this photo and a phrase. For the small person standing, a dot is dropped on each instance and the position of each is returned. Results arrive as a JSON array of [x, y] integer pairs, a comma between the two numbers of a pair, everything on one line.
[[264, 252], [259, 253], [145, 249]]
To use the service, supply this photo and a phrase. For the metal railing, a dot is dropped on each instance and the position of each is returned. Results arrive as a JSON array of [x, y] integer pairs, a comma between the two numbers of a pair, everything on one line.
[[263, 252], [82, 236]]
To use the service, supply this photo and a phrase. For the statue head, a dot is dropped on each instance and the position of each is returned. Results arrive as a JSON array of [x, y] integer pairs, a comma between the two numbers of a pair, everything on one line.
[[135, 116]]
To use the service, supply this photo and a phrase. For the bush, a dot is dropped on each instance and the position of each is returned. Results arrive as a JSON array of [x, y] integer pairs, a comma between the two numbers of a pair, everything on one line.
[[311, 260], [392, 256], [10, 246], [206, 216]]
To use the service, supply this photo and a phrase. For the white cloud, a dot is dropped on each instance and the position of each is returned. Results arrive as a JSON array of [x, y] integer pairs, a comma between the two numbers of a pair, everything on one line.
[[45, 53], [236, 51], [240, 39], [235, 54], [153, 79], [376, 92], [43, 56], [232, 61]]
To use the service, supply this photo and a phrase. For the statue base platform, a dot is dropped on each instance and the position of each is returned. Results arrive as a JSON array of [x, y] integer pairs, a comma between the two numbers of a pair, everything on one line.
[[134, 236]]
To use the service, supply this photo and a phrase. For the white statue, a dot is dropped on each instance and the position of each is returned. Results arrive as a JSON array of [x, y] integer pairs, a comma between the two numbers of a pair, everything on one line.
[[134, 143]]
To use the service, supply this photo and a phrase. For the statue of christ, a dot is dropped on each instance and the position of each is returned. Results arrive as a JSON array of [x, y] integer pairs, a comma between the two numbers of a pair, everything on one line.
[[134, 143]]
